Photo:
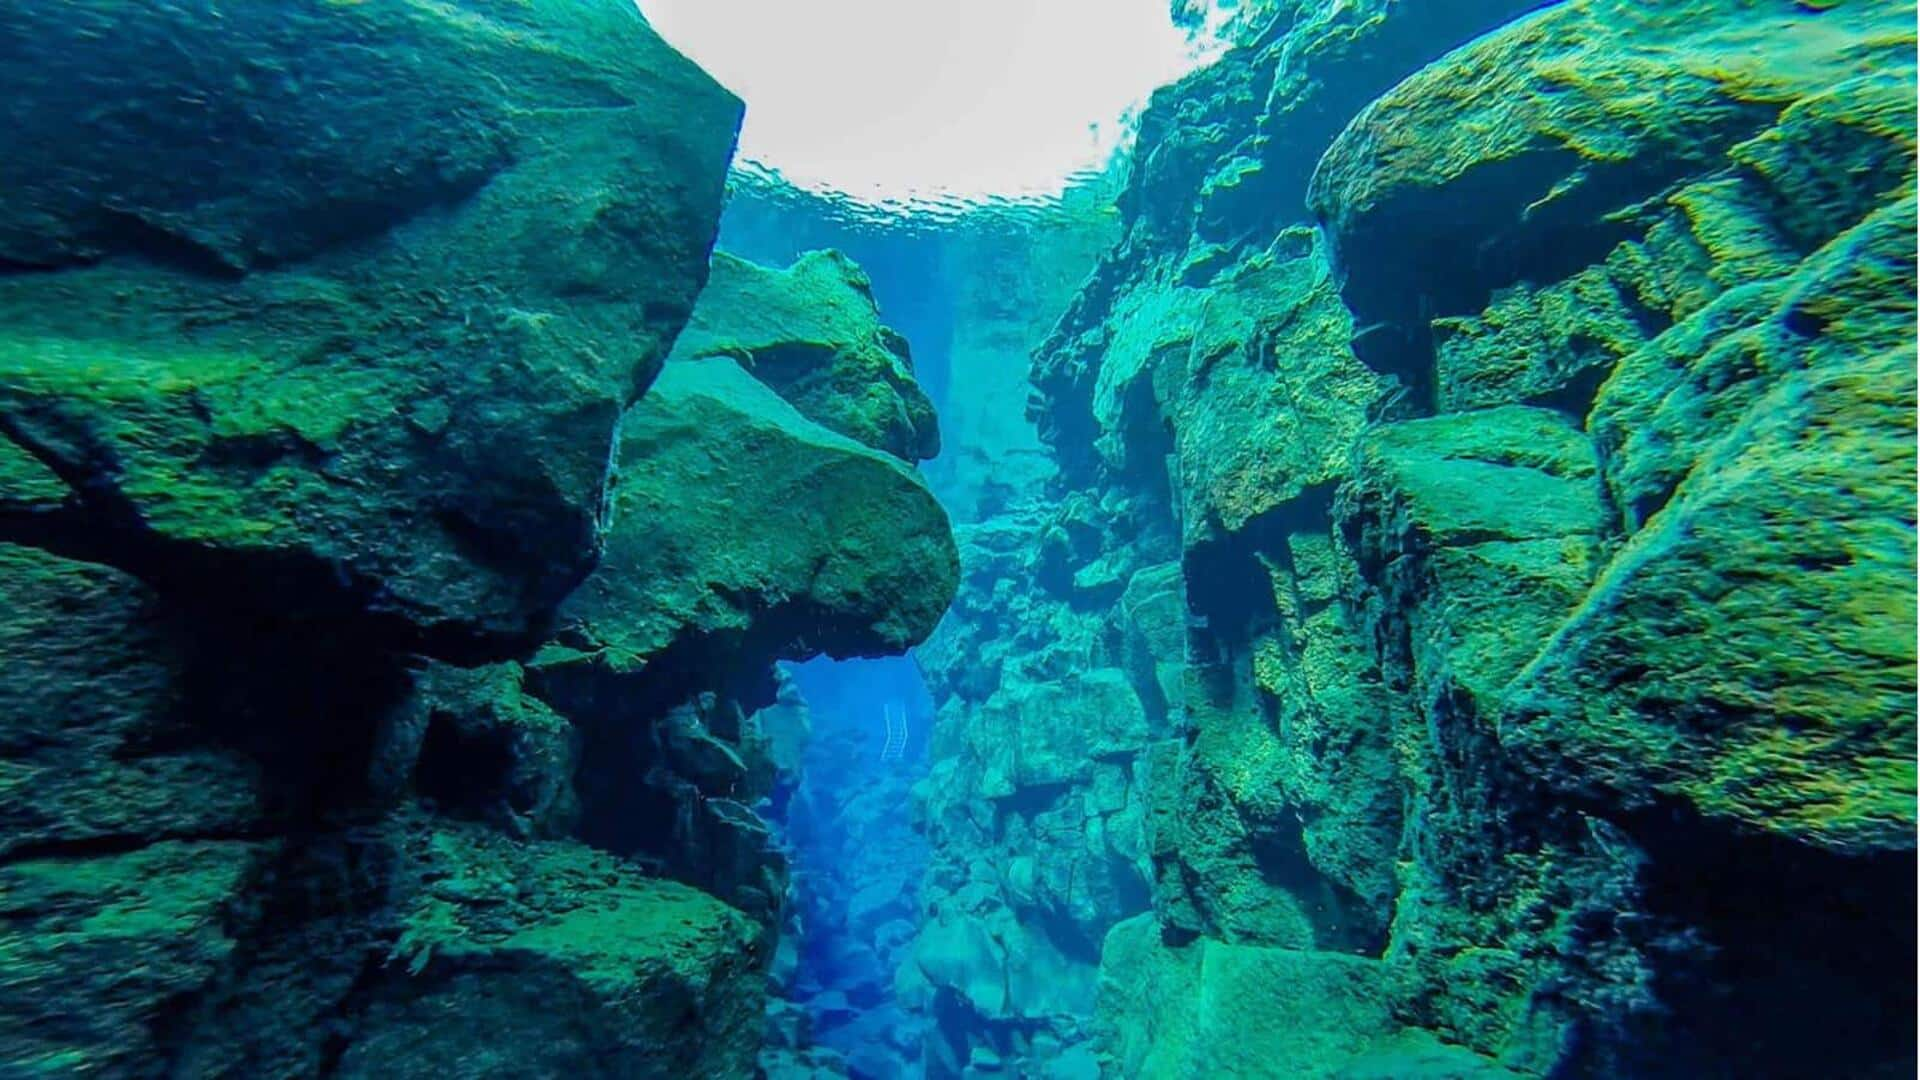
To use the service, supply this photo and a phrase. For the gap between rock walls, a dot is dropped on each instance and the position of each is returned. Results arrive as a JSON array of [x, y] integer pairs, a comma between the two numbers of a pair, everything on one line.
[[1407, 572]]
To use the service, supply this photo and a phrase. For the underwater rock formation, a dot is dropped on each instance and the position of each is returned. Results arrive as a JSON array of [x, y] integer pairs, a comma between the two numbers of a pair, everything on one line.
[[742, 533], [375, 307], [975, 294], [1445, 609], [372, 578], [1510, 450], [857, 864], [1052, 694], [813, 334]]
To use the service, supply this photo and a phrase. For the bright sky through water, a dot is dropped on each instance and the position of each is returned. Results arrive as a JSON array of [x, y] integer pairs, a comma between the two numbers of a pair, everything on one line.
[[930, 99]]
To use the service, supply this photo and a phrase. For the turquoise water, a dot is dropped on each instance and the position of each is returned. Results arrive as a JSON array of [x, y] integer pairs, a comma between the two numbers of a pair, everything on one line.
[[1262, 539]]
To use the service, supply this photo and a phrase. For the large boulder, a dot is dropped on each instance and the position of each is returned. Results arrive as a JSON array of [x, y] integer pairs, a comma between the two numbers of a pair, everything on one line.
[[1266, 396], [1520, 162], [1480, 530], [98, 952], [1036, 735], [1210, 1009], [319, 320], [417, 946], [496, 940], [333, 308], [813, 333], [744, 533]]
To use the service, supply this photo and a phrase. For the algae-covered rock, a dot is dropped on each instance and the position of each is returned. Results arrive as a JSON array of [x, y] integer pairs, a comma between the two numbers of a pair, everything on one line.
[[743, 533], [1480, 530], [478, 745], [1154, 616], [415, 946], [1547, 346], [813, 333], [1183, 1012], [98, 739], [1524, 157], [1553, 583], [1270, 395], [1053, 733], [1749, 653], [496, 940], [320, 321], [99, 952], [361, 352], [742, 529]]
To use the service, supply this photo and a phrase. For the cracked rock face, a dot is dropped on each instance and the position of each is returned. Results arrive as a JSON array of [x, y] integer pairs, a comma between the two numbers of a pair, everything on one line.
[[1523, 401], [321, 322], [343, 302], [741, 528]]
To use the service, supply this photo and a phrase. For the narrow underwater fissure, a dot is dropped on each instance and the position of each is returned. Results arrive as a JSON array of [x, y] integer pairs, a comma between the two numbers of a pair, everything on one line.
[[1406, 571], [856, 860], [1264, 720]]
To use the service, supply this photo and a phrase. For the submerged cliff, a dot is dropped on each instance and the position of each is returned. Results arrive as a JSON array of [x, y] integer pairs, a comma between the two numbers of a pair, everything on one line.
[[1432, 592], [388, 599], [1471, 630]]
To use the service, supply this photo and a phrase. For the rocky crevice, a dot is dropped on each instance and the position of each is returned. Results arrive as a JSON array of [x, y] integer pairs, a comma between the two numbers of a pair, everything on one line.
[[1498, 414]]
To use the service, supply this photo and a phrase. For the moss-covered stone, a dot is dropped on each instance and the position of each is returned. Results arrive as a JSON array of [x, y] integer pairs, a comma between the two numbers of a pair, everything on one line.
[[1534, 148], [1584, 600], [813, 333], [99, 952], [546, 958], [364, 352], [1749, 652], [1271, 344], [1053, 733], [98, 743], [1480, 530], [478, 745], [1173, 1012], [744, 532]]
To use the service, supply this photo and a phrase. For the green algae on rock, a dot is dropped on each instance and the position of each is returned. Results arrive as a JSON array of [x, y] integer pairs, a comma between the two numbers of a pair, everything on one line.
[[98, 951], [321, 323], [1543, 536], [366, 346], [811, 332], [1446, 609], [741, 528], [654, 979], [740, 532], [1215, 1009], [97, 740]]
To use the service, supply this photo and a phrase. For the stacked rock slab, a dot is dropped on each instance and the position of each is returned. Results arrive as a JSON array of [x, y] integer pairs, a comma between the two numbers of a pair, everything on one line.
[[348, 348], [1528, 430], [813, 334], [743, 533], [326, 330], [1053, 692]]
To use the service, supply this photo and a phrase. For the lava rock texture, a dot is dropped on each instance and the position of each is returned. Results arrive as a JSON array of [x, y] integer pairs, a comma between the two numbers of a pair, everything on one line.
[[1471, 629], [386, 616]]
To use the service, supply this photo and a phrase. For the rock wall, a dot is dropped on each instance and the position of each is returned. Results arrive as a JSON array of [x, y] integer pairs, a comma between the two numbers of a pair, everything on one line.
[[1471, 629], [387, 612]]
